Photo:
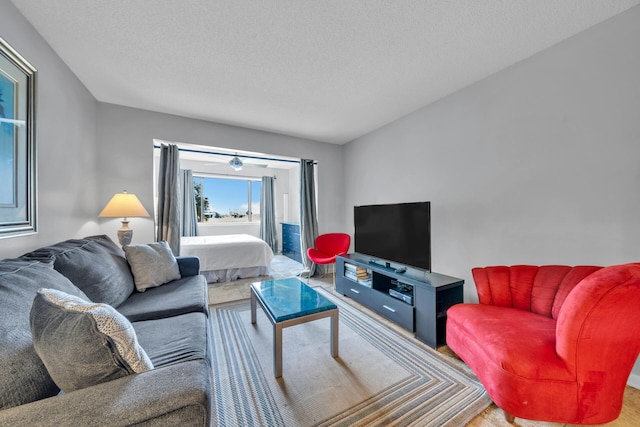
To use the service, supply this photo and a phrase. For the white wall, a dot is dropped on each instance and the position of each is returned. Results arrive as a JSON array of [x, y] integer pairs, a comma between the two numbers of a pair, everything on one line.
[[537, 164], [126, 159], [88, 151], [66, 120], [294, 196]]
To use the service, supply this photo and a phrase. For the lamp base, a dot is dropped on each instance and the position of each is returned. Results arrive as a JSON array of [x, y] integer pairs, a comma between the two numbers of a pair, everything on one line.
[[125, 234]]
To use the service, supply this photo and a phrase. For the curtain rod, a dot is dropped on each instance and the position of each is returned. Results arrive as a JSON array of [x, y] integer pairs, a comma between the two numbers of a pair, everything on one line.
[[189, 150], [214, 174]]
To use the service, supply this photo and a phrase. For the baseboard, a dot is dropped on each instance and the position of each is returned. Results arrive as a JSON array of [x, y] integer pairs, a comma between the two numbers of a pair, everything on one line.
[[634, 380]]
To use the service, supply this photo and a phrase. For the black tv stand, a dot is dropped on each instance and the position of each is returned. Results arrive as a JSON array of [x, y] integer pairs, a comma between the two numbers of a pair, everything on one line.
[[376, 262], [416, 300]]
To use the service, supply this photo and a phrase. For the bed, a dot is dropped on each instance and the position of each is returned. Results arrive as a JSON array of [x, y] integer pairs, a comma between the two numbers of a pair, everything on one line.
[[230, 257]]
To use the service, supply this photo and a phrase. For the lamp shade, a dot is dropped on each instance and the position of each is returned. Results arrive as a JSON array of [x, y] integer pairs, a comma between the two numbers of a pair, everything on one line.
[[124, 205]]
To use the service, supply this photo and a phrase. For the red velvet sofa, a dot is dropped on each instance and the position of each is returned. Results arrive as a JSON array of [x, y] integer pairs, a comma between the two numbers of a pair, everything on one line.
[[551, 343]]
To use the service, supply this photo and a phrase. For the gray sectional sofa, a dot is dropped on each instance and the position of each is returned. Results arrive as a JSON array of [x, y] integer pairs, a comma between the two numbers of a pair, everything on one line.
[[170, 322]]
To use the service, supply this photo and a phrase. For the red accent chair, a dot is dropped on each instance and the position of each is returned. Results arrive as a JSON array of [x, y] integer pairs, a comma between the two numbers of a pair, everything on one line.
[[327, 247], [551, 343]]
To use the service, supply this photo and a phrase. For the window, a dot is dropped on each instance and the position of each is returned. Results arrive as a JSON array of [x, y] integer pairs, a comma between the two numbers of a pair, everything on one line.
[[220, 200]]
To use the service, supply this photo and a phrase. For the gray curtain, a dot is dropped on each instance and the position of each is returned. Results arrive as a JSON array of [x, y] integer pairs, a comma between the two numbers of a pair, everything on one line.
[[169, 198], [189, 223], [268, 213], [308, 218]]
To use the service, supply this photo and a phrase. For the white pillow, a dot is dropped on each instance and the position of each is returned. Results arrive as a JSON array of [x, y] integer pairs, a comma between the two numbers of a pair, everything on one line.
[[152, 264]]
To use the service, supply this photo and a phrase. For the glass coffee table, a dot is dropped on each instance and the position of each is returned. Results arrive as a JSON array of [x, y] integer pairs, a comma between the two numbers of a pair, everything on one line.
[[289, 302]]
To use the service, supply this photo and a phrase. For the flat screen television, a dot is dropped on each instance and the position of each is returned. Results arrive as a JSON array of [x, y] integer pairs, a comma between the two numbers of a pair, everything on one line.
[[399, 233]]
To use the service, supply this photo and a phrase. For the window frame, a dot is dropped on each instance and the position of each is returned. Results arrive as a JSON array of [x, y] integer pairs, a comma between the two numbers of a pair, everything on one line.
[[201, 176]]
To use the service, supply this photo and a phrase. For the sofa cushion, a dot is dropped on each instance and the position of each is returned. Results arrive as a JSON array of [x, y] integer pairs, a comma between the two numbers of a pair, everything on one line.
[[152, 264], [94, 264], [490, 334], [175, 339], [179, 395], [83, 343], [539, 289], [512, 352], [23, 376], [187, 295]]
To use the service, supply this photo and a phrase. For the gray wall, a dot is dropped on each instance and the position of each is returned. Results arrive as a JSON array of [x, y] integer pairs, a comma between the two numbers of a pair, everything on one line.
[[536, 164], [125, 150], [66, 121], [87, 150]]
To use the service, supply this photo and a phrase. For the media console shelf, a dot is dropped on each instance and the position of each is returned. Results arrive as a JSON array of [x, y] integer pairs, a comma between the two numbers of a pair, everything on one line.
[[420, 300]]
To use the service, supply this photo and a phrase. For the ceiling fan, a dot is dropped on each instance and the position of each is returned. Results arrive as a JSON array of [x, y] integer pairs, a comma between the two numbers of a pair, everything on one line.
[[236, 163]]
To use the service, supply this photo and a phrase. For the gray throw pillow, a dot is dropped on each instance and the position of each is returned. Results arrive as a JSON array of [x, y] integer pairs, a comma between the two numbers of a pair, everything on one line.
[[83, 343], [152, 264], [94, 264]]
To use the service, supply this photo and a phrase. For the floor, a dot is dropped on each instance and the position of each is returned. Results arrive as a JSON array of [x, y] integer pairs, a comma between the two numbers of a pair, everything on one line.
[[490, 417], [280, 267]]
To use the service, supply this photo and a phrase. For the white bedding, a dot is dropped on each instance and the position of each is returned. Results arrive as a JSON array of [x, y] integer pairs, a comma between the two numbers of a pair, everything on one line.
[[233, 253]]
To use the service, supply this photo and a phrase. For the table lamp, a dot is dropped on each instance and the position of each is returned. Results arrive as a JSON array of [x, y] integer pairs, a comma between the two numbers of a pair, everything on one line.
[[124, 205]]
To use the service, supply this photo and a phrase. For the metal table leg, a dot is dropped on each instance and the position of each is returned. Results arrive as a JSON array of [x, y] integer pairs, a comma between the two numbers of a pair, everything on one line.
[[334, 333], [277, 350], [253, 307]]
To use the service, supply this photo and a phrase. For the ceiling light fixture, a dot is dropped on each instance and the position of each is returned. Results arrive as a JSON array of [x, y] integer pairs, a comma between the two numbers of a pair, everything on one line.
[[236, 163]]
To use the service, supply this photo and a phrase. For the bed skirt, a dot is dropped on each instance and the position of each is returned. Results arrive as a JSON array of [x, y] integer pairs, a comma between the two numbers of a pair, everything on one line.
[[227, 275]]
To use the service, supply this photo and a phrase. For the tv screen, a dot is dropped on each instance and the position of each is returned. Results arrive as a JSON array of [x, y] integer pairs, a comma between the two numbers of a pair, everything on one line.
[[398, 233]]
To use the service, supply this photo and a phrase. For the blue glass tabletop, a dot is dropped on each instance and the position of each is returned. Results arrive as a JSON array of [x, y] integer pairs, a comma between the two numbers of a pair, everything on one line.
[[290, 298]]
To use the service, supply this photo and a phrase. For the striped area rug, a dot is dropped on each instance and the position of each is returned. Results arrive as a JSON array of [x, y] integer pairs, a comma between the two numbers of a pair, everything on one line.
[[379, 379]]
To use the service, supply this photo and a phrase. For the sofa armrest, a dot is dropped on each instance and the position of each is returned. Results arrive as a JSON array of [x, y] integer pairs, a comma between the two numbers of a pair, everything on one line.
[[179, 394], [189, 265]]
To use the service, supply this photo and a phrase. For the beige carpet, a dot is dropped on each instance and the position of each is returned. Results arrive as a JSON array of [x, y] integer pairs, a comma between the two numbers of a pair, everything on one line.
[[280, 267], [379, 378]]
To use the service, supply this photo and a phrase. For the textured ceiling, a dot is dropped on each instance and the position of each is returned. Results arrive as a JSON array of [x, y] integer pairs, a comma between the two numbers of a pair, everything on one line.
[[329, 70]]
